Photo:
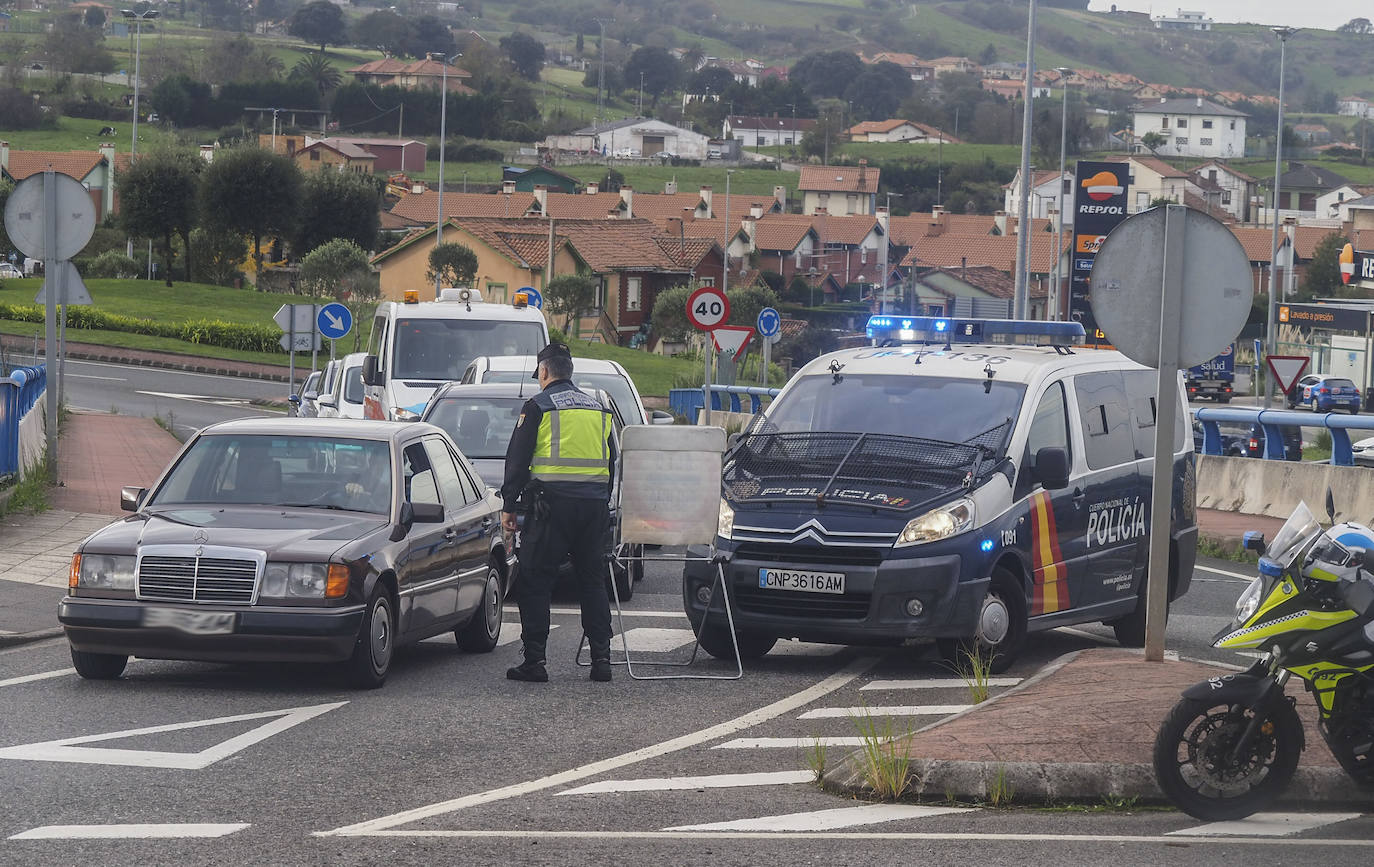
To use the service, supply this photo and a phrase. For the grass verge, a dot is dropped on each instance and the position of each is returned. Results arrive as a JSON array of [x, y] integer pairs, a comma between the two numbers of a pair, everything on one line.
[[124, 340], [29, 495]]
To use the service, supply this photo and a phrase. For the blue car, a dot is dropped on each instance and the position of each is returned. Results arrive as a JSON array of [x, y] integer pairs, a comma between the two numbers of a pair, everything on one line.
[[1326, 394]]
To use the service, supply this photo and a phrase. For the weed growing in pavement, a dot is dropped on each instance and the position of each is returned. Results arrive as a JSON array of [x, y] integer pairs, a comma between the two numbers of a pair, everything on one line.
[[975, 669], [168, 424], [1210, 547], [30, 494], [886, 767], [816, 758], [1000, 789]]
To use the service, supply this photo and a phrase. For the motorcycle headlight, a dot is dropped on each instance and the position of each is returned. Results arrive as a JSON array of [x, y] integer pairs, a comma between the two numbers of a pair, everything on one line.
[[950, 519], [295, 580], [1249, 601], [726, 524], [106, 572]]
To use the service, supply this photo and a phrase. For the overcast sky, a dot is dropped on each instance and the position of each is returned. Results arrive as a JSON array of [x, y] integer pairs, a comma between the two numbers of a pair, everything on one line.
[[1326, 14]]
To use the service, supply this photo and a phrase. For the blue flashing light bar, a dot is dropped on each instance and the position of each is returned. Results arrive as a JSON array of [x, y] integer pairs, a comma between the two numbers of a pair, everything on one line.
[[935, 329]]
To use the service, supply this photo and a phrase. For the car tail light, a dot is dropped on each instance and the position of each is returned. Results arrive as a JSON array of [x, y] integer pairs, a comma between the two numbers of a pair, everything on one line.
[[1254, 444]]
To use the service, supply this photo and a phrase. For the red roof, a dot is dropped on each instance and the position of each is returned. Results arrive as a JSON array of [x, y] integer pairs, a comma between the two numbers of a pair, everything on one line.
[[73, 164], [838, 179], [424, 207]]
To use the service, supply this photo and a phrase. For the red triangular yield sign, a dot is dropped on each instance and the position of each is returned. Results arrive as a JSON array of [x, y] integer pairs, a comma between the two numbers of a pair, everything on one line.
[[732, 338], [1287, 369]]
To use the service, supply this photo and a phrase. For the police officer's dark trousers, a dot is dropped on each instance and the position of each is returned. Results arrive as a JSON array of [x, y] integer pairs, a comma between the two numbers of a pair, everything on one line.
[[574, 529]]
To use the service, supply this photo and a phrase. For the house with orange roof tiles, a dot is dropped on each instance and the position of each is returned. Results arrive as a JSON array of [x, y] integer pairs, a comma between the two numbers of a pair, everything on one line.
[[96, 170], [840, 190]]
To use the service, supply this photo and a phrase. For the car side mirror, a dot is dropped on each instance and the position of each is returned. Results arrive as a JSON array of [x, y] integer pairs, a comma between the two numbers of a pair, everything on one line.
[[328, 400], [426, 513], [131, 497], [658, 416], [1253, 540], [294, 399], [311, 395], [370, 374], [1052, 468]]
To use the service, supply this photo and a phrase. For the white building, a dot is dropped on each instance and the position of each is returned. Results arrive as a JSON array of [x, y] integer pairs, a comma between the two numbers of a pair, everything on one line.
[[640, 136], [753, 131], [1184, 19], [1329, 203], [1191, 128], [1224, 187], [1047, 190], [1353, 106]]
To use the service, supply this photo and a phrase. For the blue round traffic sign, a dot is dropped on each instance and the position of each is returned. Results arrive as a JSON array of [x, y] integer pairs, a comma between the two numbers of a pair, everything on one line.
[[334, 321], [769, 322], [535, 299]]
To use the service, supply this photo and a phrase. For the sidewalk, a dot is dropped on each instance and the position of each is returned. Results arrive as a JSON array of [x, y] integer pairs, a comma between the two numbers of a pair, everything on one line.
[[1083, 728], [97, 455]]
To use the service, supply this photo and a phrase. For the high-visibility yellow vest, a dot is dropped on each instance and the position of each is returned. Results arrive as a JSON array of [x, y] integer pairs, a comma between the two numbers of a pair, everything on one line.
[[571, 455]]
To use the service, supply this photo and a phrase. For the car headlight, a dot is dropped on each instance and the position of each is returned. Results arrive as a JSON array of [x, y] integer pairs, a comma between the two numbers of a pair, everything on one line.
[[948, 520], [1248, 601], [399, 414], [304, 580], [105, 571], [726, 524]]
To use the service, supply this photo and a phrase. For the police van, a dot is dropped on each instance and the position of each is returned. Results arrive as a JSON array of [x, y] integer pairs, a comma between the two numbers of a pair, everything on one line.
[[962, 481], [416, 346]]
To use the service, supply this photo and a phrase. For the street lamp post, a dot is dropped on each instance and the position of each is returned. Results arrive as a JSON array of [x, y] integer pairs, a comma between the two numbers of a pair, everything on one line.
[[1271, 332], [443, 146], [1022, 299], [882, 260], [1059, 198], [138, 18]]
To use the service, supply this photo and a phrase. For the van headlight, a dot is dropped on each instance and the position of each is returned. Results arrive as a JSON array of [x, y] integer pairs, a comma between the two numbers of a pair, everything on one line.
[[726, 524], [950, 519], [1249, 601], [106, 571]]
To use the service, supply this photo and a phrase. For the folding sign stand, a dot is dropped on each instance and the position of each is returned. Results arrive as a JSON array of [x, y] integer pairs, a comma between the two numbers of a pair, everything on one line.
[[668, 491]]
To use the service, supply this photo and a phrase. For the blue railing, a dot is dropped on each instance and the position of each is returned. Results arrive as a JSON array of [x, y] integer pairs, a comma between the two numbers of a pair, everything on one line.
[[18, 393], [688, 401], [1274, 420]]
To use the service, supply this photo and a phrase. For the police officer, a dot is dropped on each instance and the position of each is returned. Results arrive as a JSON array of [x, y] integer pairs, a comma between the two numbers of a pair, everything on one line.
[[558, 466]]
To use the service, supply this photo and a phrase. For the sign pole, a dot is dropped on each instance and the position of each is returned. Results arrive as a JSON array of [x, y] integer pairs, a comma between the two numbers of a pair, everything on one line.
[[707, 347], [50, 313], [291, 365], [1166, 413], [314, 337]]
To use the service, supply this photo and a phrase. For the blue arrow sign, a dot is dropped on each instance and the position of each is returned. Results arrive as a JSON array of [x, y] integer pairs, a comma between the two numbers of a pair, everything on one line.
[[769, 322], [334, 321], [536, 300]]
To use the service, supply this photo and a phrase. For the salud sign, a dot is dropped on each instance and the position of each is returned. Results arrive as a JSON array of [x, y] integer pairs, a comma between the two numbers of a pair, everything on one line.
[[1099, 204]]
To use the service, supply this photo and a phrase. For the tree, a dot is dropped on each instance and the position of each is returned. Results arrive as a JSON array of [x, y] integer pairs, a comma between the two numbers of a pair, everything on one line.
[[239, 59], [660, 70], [319, 23], [252, 192], [336, 205], [826, 73], [988, 55], [822, 139], [525, 52], [570, 296], [693, 56], [384, 29], [157, 199], [1356, 25], [73, 47], [429, 35], [335, 269], [715, 79], [669, 317], [317, 70], [875, 93], [1153, 140], [219, 254], [94, 17], [1323, 277], [451, 264]]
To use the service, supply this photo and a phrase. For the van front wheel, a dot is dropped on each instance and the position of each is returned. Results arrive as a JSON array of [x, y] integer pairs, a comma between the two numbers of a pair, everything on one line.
[[1001, 630]]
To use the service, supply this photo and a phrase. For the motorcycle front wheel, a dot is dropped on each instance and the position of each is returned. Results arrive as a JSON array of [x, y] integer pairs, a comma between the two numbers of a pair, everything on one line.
[[1198, 770]]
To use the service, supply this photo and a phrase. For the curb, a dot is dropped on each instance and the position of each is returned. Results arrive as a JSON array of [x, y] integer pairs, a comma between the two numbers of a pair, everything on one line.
[[18, 638]]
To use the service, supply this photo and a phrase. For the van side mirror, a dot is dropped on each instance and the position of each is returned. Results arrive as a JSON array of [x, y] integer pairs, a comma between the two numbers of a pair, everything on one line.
[[1253, 540], [370, 374], [328, 400], [131, 497], [1052, 468]]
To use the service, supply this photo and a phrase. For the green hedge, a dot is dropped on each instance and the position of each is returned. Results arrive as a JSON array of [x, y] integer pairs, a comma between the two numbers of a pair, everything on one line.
[[209, 332]]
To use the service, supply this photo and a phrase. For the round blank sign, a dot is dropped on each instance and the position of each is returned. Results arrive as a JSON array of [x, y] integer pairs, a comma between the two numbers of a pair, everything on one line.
[[26, 217], [1128, 279]]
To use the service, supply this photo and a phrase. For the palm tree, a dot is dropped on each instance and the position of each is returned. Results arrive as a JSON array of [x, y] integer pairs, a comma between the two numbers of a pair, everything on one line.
[[317, 70], [270, 64], [692, 56]]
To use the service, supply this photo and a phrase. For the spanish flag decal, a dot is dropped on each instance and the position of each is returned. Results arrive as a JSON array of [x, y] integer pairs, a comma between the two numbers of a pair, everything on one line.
[[1050, 592]]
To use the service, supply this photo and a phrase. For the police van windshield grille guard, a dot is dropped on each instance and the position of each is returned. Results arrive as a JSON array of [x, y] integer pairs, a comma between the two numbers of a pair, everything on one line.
[[881, 471]]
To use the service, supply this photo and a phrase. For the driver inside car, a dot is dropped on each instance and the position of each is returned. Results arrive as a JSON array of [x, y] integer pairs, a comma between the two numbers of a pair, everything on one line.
[[370, 490]]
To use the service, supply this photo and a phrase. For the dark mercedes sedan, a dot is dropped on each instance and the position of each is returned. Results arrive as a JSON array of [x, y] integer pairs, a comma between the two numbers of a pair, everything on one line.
[[294, 540]]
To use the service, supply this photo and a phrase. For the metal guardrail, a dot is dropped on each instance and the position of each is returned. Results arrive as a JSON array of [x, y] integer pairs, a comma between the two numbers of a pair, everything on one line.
[[1274, 420], [686, 401], [18, 393]]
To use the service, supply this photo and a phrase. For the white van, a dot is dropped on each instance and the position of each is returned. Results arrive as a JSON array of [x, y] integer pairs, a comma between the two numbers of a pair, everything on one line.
[[416, 346], [345, 398]]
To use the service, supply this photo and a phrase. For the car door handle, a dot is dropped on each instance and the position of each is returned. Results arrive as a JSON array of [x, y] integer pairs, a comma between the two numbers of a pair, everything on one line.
[[450, 534], [486, 524], [1078, 496]]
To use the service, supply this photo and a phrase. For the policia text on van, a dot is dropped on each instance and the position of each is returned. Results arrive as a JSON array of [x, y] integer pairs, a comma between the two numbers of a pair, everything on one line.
[[964, 481]]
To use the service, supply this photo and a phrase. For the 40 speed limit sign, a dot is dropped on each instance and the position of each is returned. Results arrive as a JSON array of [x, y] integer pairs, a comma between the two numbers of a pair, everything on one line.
[[707, 308]]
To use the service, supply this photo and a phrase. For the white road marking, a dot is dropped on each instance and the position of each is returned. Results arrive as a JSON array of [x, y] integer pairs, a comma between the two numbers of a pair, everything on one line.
[[673, 615], [1266, 825], [163, 371], [788, 743], [936, 683], [510, 633], [887, 710], [30, 678], [804, 648], [1246, 578], [674, 784], [198, 398], [855, 669], [648, 639], [127, 832], [90, 376], [69, 749], [826, 820], [1079, 633]]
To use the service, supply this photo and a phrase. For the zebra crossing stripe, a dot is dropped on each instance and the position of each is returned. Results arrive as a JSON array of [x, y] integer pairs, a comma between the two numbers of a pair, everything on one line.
[[889, 710], [675, 784], [936, 683], [127, 832], [1266, 825], [826, 820]]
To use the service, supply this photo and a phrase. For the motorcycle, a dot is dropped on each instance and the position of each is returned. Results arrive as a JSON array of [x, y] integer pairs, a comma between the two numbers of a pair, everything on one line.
[[1231, 744]]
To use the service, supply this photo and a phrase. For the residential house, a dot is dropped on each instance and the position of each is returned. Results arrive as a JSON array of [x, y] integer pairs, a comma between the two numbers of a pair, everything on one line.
[[423, 206], [764, 132], [1297, 245], [1005, 70], [1360, 214], [1184, 19], [1048, 190], [1149, 92], [747, 71], [95, 170], [1226, 188], [910, 64], [641, 136], [943, 65], [785, 243], [898, 130], [526, 179], [1152, 179], [840, 190], [1329, 204], [978, 290], [338, 156], [1192, 127], [413, 75], [390, 154], [1353, 106], [1014, 90], [1300, 186], [851, 247], [957, 252], [1312, 133]]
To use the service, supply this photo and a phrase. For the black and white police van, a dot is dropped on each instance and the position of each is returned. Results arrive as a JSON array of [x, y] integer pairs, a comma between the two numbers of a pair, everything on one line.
[[963, 481]]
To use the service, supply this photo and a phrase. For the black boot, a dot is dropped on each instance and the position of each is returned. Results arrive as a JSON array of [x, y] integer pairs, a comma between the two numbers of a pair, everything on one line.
[[601, 662], [532, 670]]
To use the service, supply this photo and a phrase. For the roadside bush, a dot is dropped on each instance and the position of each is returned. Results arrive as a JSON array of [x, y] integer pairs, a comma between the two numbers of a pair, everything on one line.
[[207, 332], [112, 264]]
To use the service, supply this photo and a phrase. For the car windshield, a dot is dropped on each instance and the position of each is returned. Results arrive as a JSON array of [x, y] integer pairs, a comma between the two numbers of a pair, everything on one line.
[[617, 386], [273, 470], [353, 385], [948, 410], [442, 348], [481, 426]]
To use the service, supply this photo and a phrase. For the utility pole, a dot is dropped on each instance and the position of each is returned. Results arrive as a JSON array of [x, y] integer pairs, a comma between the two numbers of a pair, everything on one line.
[[641, 94], [601, 71], [1271, 332], [443, 146], [1021, 307], [1059, 198], [138, 18]]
